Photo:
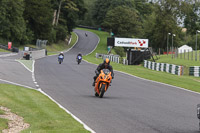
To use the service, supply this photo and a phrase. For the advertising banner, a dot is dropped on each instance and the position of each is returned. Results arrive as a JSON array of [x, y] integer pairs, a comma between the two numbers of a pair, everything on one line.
[[130, 42]]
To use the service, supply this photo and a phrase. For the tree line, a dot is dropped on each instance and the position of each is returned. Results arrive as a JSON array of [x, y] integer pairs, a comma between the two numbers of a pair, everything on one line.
[[24, 21], [148, 19]]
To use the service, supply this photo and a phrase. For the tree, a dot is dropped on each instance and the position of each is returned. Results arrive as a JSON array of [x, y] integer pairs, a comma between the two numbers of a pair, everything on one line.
[[191, 21], [165, 18], [12, 24], [125, 25], [101, 7], [39, 16]]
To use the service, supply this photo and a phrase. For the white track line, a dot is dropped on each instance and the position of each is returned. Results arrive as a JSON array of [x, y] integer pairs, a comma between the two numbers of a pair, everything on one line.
[[39, 89], [17, 84], [25, 66], [76, 118], [6, 55]]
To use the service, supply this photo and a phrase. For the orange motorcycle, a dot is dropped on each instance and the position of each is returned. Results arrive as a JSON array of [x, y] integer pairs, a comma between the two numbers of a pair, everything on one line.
[[102, 82]]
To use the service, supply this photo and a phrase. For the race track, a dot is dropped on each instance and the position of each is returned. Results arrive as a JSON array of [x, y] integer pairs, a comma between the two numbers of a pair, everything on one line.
[[131, 105]]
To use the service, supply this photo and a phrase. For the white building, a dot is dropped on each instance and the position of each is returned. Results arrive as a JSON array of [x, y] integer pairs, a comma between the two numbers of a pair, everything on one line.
[[185, 48]]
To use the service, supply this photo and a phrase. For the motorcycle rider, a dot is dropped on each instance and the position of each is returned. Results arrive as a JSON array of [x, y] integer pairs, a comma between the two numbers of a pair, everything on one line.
[[104, 65], [61, 53], [79, 54]]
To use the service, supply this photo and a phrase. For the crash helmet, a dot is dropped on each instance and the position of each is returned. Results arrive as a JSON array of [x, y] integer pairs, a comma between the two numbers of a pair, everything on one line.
[[61, 52], [106, 61]]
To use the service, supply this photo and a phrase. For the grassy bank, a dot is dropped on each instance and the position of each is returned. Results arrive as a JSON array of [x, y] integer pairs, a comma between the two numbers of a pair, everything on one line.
[[187, 82], [38, 110], [61, 46], [55, 48], [3, 50]]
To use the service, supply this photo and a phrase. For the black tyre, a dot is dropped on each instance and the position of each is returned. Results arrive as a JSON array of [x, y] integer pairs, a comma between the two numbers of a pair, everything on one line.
[[96, 94], [59, 62], [102, 90]]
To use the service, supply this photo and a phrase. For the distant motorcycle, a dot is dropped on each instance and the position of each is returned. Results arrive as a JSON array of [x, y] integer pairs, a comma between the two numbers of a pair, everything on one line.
[[102, 82], [79, 58], [60, 59]]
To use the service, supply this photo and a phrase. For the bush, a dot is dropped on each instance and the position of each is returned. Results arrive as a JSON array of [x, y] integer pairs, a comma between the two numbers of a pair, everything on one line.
[[61, 32], [120, 51]]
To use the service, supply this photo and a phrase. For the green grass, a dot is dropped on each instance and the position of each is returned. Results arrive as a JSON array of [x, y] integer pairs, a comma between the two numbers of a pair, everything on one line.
[[179, 61], [187, 82], [38, 110], [3, 124], [61, 46], [3, 50], [1, 112], [55, 48], [27, 63]]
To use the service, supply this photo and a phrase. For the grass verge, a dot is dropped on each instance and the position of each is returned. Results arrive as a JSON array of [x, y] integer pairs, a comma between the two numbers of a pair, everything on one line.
[[55, 48], [27, 63], [3, 50], [38, 110], [61, 46], [187, 82]]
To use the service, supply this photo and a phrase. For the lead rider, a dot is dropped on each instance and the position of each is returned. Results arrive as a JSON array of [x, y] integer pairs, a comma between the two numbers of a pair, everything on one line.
[[104, 65]]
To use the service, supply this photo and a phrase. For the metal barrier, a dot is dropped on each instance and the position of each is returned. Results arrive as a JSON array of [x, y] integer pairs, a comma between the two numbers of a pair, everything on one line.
[[113, 58], [194, 71], [164, 67]]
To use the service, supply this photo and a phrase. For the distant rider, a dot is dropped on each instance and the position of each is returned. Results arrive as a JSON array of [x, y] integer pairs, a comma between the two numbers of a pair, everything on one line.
[[79, 54], [61, 53], [104, 65]]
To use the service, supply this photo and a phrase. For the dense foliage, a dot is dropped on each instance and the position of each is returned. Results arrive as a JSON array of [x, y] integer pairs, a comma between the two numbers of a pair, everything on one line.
[[24, 21], [148, 19]]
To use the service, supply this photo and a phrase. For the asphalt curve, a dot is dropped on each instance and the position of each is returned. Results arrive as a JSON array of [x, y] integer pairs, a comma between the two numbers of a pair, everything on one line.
[[131, 105]]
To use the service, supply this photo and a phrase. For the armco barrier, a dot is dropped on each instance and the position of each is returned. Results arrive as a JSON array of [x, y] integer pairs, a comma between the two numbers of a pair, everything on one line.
[[113, 58], [34, 54], [164, 67], [194, 71]]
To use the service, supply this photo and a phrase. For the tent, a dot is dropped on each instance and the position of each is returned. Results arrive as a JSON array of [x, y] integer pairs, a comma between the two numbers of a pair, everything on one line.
[[185, 48]]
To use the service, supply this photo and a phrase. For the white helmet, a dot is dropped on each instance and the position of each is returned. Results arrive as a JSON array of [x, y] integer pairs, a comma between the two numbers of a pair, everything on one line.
[[61, 52]]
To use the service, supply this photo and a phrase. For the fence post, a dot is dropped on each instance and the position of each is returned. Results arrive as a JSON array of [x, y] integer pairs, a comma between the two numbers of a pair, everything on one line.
[[192, 55]]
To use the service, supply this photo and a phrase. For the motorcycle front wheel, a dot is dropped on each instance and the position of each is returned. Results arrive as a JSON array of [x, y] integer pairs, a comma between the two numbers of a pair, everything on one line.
[[102, 90]]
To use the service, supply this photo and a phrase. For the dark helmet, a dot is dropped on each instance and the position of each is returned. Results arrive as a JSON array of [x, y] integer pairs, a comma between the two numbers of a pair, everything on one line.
[[106, 61]]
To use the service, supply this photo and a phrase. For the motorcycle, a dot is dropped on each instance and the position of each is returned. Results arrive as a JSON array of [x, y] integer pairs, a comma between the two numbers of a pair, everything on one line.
[[60, 59], [79, 58], [102, 82]]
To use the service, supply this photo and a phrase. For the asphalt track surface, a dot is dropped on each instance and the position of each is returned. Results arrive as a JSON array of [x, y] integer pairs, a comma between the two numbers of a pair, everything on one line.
[[13, 71], [131, 105]]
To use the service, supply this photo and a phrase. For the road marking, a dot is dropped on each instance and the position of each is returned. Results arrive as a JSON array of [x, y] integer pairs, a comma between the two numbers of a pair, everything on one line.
[[6, 55], [76, 118], [24, 66], [16, 84], [40, 90]]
